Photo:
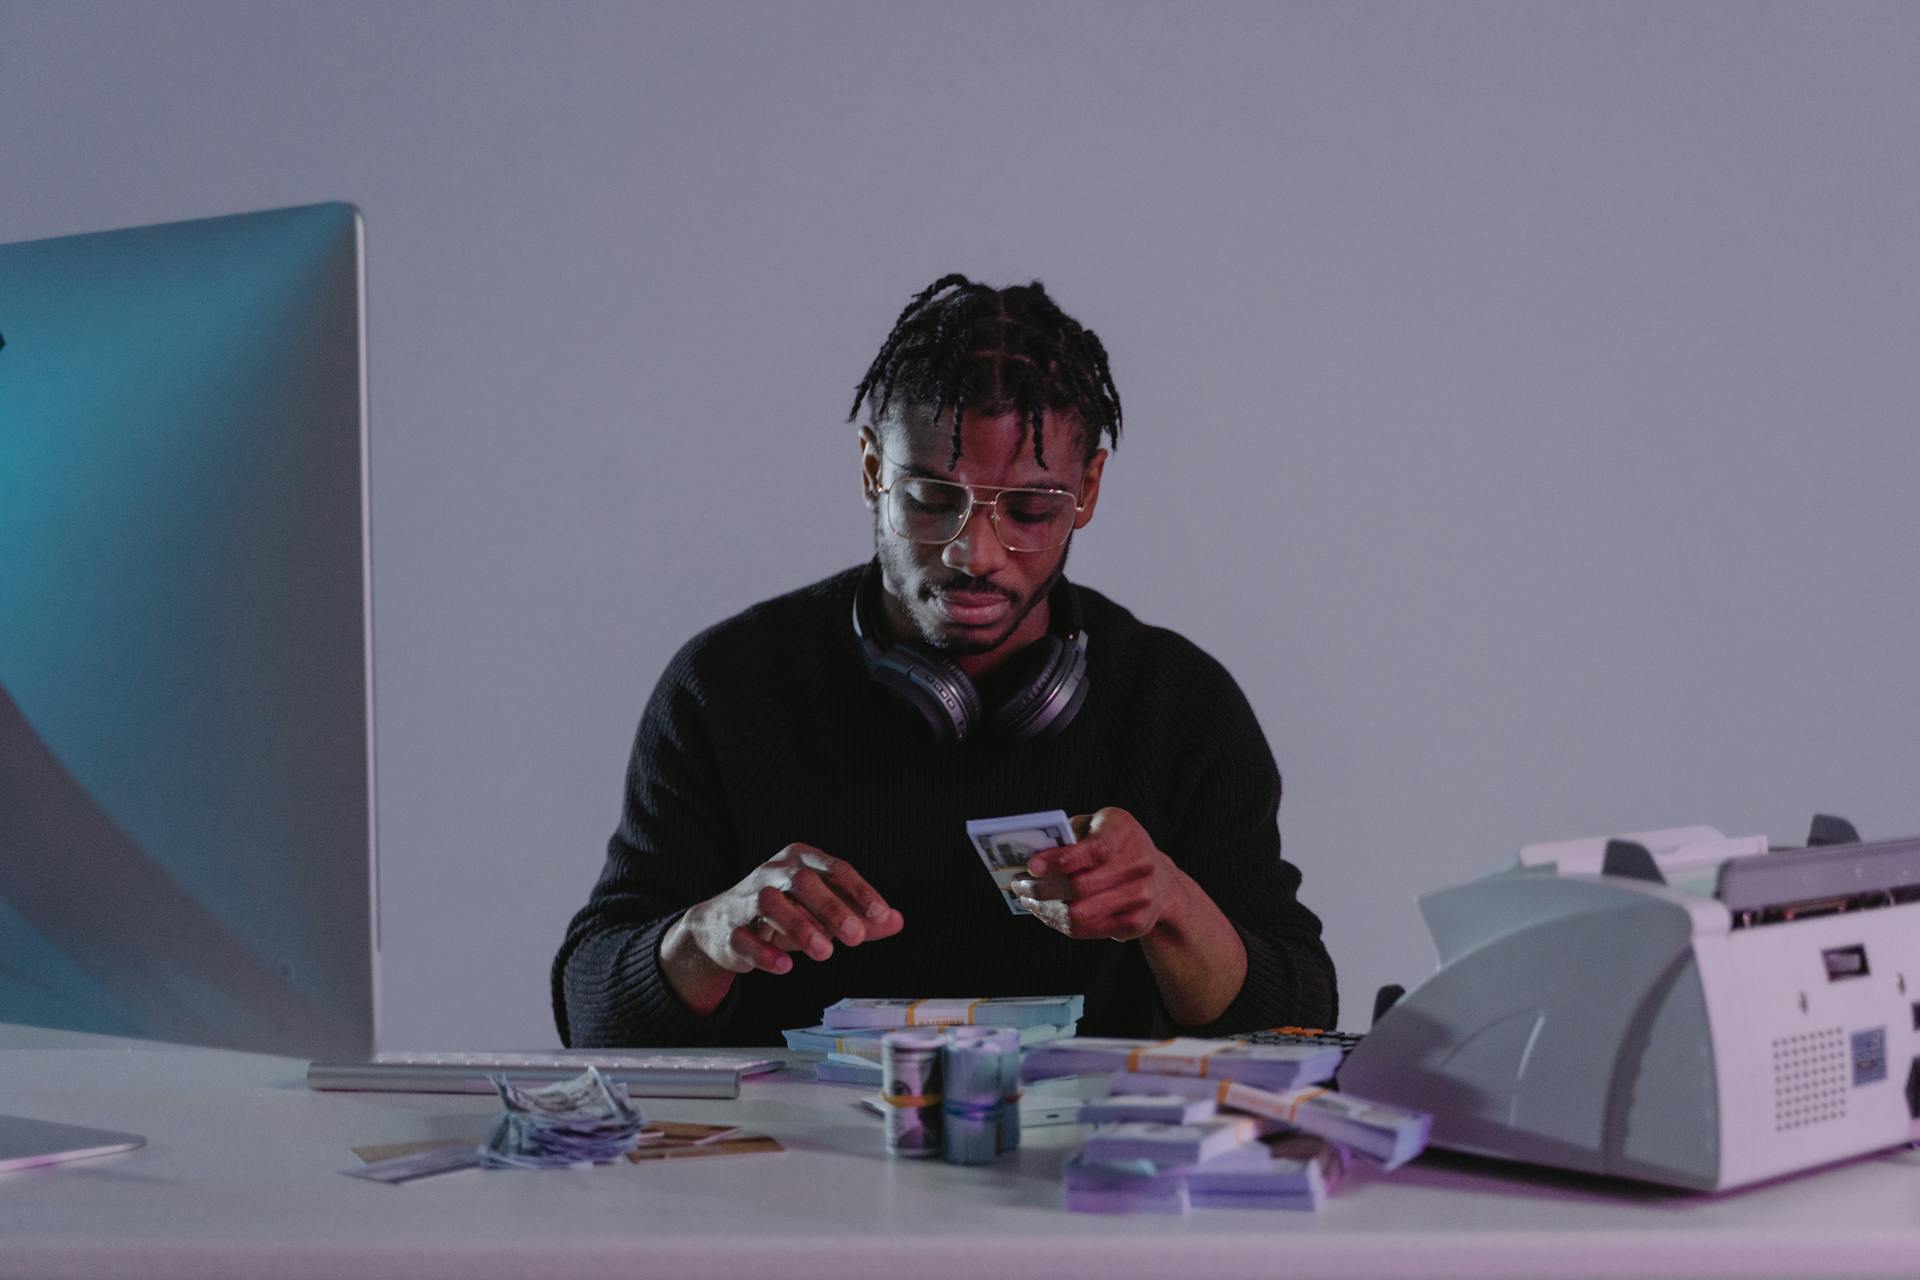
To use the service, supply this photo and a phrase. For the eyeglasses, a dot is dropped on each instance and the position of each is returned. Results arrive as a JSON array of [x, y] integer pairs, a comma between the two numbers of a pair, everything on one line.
[[935, 511]]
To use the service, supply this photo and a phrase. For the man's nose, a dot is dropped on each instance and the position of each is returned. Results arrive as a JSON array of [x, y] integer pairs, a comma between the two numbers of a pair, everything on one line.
[[977, 551]]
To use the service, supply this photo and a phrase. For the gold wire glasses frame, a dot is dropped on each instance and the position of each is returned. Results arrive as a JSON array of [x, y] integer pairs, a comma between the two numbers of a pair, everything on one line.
[[926, 506]]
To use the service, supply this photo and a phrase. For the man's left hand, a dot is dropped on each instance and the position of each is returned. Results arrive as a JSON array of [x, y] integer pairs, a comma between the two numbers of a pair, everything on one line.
[[1112, 883]]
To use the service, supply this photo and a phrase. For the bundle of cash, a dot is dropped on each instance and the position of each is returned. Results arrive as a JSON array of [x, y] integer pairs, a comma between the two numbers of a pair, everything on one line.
[[580, 1121], [1295, 1172], [980, 1110], [1387, 1134], [1170, 1145], [912, 1087], [1277, 1066], [838, 1069], [1123, 1186], [991, 1011], [1154, 1108], [1007, 844], [864, 1042]]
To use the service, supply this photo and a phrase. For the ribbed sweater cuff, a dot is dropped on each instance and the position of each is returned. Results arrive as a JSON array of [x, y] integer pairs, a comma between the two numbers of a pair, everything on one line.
[[1279, 990], [639, 1008]]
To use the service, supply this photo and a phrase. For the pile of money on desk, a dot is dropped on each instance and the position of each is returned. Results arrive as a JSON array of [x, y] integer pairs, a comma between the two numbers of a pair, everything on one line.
[[948, 1071], [850, 1032], [580, 1121], [1218, 1123]]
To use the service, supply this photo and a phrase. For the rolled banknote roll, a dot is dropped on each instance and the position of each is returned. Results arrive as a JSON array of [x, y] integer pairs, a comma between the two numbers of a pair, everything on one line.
[[970, 1109], [911, 1086], [1007, 1041]]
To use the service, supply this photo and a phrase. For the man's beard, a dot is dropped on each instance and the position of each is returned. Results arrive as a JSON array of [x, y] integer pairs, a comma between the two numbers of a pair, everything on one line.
[[898, 568]]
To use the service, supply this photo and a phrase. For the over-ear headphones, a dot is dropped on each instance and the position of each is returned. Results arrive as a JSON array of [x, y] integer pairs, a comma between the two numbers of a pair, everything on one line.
[[1048, 679]]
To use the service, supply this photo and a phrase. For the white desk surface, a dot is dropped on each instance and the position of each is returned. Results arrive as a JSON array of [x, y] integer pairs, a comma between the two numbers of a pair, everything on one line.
[[241, 1177]]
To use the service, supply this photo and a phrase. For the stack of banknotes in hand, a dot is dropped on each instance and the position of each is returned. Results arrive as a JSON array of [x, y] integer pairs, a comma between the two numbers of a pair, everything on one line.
[[1218, 1123], [851, 1031], [580, 1121]]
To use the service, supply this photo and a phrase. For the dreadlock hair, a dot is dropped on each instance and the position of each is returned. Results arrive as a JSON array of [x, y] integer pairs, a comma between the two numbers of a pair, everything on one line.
[[960, 345]]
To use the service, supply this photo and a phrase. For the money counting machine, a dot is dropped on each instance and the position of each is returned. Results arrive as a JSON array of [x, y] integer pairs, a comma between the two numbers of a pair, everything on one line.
[[1672, 1006]]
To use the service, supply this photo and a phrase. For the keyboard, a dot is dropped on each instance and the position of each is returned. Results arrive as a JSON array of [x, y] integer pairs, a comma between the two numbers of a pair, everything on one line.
[[646, 1075]]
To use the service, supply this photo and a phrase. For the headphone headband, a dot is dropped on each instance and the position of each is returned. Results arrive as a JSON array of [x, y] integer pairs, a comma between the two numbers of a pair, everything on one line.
[[1051, 688]]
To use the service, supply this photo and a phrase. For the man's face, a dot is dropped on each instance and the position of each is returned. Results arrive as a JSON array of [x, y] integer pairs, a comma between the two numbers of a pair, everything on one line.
[[971, 598]]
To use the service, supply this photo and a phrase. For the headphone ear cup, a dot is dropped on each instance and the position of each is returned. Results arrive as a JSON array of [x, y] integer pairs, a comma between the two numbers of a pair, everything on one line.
[[1050, 691], [932, 686]]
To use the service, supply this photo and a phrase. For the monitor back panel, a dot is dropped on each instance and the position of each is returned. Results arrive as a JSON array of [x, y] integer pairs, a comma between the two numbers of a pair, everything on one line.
[[186, 796]]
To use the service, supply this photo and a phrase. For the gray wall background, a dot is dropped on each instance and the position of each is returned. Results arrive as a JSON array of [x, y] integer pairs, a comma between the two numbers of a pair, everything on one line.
[[1521, 398]]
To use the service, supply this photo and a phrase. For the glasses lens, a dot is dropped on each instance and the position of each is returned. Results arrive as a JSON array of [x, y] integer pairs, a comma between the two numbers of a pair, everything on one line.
[[1034, 519], [936, 510], [928, 510]]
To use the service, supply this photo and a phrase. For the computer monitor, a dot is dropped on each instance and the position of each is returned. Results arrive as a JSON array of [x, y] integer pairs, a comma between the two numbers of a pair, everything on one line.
[[186, 764]]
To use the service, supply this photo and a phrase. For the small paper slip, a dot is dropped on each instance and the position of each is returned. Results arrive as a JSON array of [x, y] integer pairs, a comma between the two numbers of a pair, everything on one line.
[[1006, 844], [672, 1140], [420, 1164]]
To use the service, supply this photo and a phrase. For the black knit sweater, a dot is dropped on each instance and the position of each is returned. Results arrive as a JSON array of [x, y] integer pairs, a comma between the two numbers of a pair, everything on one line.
[[766, 730]]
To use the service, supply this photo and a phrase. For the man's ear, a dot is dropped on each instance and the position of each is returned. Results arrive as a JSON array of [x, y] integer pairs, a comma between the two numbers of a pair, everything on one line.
[[869, 466], [1090, 487]]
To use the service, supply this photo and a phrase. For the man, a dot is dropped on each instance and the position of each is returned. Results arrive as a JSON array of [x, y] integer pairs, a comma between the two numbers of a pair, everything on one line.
[[794, 826]]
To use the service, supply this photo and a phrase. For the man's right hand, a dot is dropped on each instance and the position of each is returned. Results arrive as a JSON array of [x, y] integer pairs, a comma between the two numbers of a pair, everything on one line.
[[800, 899]]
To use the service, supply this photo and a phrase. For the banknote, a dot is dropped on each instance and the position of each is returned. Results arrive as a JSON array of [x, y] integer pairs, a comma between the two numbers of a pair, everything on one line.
[[1171, 1145], [855, 1012], [864, 1042], [1123, 1186], [1153, 1108], [1005, 845], [1183, 1065], [580, 1121]]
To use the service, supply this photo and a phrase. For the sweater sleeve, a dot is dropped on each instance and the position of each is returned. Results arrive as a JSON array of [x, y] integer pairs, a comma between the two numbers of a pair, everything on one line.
[[668, 853], [1229, 842]]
